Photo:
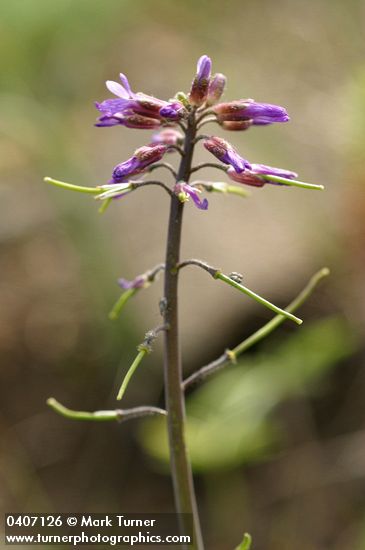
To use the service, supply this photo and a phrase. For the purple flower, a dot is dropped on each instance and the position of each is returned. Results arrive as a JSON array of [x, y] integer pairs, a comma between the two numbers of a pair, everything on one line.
[[204, 67], [129, 121], [168, 136], [173, 111], [142, 158], [184, 190], [200, 85], [138, 282], [134, 110], [224, 151], [255, 176], [248, 110], [216, 88]]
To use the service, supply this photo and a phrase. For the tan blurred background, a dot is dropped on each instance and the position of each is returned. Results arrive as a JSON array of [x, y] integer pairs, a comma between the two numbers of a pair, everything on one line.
[[278, 442]]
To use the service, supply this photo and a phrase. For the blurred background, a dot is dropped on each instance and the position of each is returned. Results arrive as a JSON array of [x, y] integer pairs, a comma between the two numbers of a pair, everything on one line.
[[277, 441]]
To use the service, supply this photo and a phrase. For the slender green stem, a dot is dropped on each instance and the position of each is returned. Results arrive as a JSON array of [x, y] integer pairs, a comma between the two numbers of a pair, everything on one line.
[[221, 187], [246, 543], [200, 137], [119, 305], [199, 263], [235, 190], [72, 187], [207, 121], [98, 416], [165, 165], [102, 416], [130, 372], [279, 319], [105, 205], [229, 356], [205, 113], [294, 183], [209, 165], [256, 297]]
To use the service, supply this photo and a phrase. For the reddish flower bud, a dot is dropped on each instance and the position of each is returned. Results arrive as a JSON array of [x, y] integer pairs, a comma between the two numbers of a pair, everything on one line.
[[216, 88], [143, 157], [224, 151], [247, 109], [168, 136], [138, 122], [236, 125], [199, 87], [147, 155]]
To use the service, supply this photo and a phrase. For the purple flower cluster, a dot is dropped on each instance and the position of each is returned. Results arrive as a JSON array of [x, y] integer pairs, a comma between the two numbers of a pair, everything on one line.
[[142, 111]]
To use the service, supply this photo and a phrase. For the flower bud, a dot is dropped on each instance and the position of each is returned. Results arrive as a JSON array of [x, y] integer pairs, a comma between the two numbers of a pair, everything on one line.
[[255, 176], [143, 157], [236, 125], [147, 154], [168, 136], [200, 85], [247, 109], [216, 88], [173, 110], [224, 151], [138, 122]]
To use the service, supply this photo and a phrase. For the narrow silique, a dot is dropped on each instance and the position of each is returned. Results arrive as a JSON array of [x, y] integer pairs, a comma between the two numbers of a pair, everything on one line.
[[177, 125]]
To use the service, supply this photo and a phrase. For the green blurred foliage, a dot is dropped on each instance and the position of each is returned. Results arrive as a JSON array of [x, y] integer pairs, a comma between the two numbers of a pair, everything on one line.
[[230, 417]]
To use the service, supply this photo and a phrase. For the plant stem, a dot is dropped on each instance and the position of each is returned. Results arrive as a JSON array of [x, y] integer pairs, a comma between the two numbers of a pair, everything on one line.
[[258, 298], [130, 373], [294, 183], [229, 355], [119, 305], [175, 402], [72, 187], [119, 415]]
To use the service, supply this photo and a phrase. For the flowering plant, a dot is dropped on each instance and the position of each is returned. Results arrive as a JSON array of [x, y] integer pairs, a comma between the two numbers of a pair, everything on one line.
[[178, 123]]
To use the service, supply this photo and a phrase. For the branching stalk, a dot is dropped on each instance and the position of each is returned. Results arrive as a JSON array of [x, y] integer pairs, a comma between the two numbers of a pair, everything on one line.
[[165, 165], [230, 356], [209, 165], [120, 415]]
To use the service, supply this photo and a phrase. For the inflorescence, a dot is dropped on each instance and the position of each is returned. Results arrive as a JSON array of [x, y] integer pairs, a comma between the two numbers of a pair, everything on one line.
[[172, 121]]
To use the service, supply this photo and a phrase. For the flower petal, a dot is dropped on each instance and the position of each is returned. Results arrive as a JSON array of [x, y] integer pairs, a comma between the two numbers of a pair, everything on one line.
[[124, 81], [204, 67], [117, 89]]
